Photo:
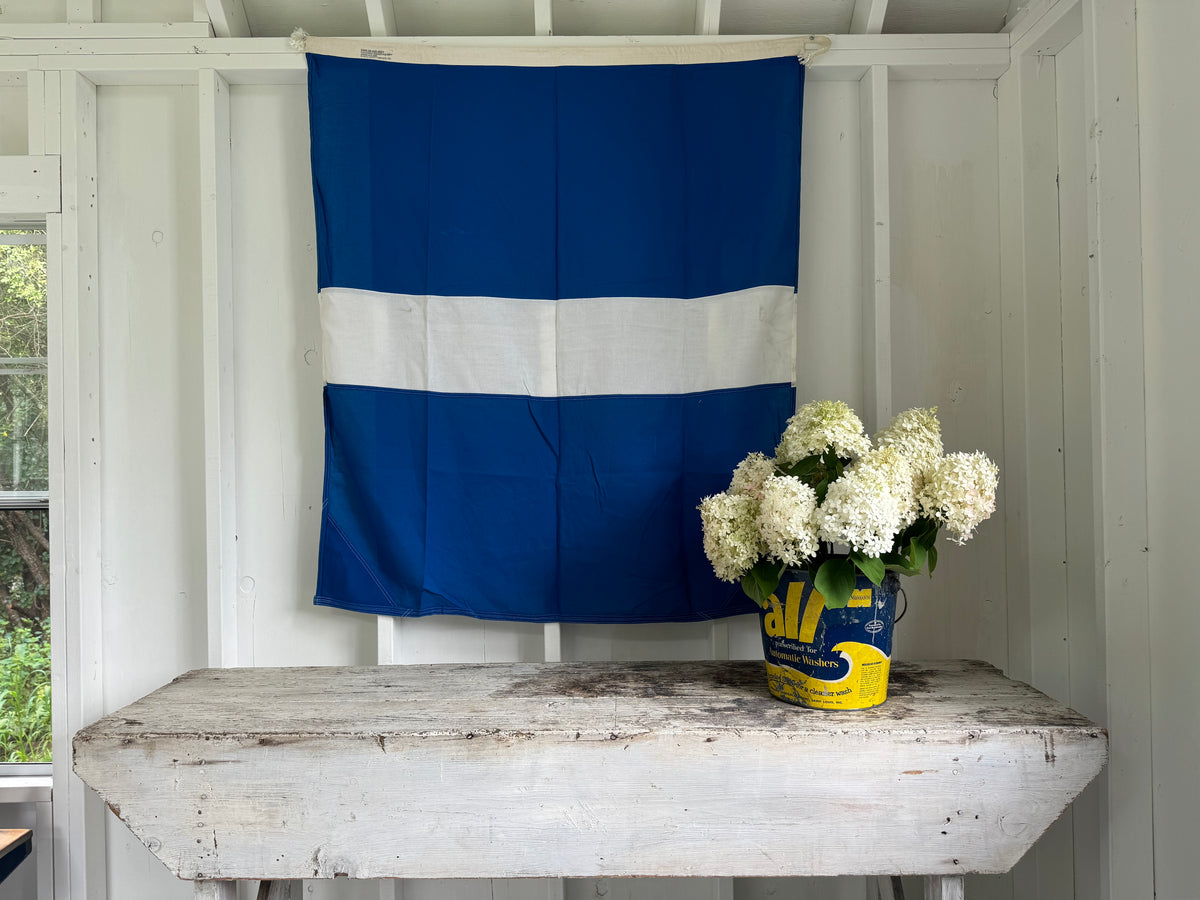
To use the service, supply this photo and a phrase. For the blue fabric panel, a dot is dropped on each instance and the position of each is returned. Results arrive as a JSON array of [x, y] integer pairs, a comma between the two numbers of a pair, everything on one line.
[[451, 503], [678, 181], [646, 181]]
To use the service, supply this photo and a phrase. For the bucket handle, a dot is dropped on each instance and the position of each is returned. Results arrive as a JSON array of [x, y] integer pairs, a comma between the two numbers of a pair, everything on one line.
[[905, 610]]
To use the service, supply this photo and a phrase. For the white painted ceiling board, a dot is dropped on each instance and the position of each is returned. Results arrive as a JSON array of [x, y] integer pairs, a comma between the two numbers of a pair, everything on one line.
[[447, 17], [142, 11], [601, 17], [327, 18], [786, 16], [13, 11], [942, 17]]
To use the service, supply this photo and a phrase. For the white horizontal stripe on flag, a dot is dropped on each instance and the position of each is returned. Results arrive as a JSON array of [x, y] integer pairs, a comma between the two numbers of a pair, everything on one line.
[[548, 348]]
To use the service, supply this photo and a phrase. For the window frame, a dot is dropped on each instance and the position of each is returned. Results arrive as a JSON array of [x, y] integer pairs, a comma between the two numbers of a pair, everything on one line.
[[32, 783]]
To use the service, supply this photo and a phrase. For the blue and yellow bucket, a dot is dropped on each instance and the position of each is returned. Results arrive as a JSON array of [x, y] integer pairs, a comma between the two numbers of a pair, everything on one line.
[[829, 658]]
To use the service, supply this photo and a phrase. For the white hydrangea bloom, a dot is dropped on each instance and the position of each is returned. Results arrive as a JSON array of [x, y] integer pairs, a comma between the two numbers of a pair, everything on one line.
[[870, 503], [916, 433], [731, 539], [787, 519], [960, 491], [750, 474], [818, 426]]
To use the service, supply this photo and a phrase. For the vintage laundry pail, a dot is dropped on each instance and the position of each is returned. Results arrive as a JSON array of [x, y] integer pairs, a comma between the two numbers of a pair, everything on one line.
[[829, 658]]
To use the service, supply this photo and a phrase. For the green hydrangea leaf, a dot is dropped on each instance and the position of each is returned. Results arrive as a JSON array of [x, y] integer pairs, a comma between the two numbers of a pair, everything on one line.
[[870, 566], [761, 581], [836, 579]]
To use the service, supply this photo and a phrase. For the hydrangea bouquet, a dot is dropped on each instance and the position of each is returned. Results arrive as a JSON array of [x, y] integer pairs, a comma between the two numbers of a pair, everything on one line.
[[829, 486]]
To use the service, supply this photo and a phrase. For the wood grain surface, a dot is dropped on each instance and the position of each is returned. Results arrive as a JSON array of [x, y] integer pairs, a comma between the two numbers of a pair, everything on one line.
[[584, 769]]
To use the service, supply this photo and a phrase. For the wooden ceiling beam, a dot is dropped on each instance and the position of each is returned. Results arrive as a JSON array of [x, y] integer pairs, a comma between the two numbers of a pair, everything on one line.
[[708, 16], [228, 18], [381, 18], [868, 16], [543, 18], [83, 10]]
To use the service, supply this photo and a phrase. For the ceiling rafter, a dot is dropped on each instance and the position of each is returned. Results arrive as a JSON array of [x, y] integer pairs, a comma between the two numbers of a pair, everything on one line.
[[381, 18], [228, 18], [868, 16], [543, 18], [83, 11], [708, 16]]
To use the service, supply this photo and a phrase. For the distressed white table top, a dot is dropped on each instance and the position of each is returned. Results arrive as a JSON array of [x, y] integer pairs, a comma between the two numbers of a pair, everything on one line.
[[584, 769]]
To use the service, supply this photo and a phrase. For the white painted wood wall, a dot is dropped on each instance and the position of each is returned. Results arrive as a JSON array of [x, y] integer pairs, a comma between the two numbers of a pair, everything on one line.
[[938, 265]]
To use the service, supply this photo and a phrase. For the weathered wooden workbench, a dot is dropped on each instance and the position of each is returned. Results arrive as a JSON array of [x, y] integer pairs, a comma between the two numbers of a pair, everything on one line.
[[584, 769]]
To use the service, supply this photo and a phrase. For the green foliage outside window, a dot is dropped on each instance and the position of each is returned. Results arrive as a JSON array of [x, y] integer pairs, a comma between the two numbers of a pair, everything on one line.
[[24, 696], [24, 533]]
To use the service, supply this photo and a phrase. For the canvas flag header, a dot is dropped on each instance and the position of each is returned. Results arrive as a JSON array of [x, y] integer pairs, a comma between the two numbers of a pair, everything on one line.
[[558, 307]]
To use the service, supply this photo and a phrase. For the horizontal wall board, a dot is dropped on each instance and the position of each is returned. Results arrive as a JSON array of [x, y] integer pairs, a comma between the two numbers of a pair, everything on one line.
[[103, 30], [167, 60]]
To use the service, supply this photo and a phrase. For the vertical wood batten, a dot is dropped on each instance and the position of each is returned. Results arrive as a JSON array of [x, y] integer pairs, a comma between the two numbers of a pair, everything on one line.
[[74, 313], [220, 471], [51, 120], [35, 99], [385, 633], [215, 890], [1119, 437], [708, 21], [1086, 646], [1012, 307], [552, 635], [1168, 70], [1035, 282], [877, 248], [943, 887]]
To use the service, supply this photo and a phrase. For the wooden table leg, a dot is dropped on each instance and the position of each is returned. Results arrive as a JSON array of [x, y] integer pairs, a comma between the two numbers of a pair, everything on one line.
[[215, 890], [280, 890], [943, 887]]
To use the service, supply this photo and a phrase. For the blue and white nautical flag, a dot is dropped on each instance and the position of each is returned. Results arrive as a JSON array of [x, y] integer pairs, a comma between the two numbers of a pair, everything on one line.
[[558, 306]]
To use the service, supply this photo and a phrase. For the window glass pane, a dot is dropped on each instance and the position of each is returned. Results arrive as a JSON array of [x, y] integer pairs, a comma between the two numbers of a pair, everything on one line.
[[24, 533], [24, 635], [22, 297], [24, 463]]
